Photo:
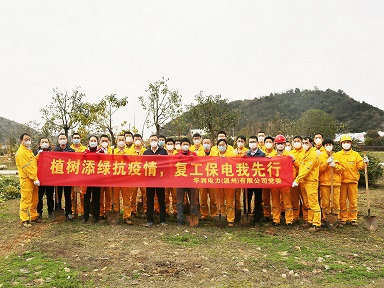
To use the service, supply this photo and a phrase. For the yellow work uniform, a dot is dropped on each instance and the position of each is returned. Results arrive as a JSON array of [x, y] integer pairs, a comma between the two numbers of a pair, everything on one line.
[[239, 152], [196, 149], [27, 168], [125, 191], [329, 177], [204, 193], [308, 177], [105, 194], [215, 150], [295, 191], [352, 163], [82, 189], [134, 190], [266, 192], [281, 195]]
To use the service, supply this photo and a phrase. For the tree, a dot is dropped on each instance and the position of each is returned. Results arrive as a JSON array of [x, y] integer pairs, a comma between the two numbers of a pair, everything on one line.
[[315, 121], [101, 114], [213, 114], [161, 104], [65, 112]]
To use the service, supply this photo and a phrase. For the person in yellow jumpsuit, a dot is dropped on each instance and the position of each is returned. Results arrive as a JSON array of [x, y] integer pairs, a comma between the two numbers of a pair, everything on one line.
[[207, 192], [309, 177], [79, 148], [352, 163], [261, 138], [281, 194], [222, 135], [170, 192], [328, 162], [318, 139], [227, 194], [105, 192], [269, 151], [240, 151], [27, 169]]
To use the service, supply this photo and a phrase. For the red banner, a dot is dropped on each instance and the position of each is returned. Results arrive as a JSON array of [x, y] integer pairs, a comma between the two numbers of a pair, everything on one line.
[[107, 170]]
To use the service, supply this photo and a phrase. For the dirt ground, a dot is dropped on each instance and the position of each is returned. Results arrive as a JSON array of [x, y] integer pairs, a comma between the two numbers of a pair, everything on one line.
[[102, 255]]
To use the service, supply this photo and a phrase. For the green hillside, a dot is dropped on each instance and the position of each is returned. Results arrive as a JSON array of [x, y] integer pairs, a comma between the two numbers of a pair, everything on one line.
[[10, 131]]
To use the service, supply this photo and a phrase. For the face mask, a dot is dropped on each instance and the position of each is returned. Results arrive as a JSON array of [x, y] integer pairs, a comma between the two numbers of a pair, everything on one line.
[[318, 141], [161, 143], [196, 142], [328, 148], [153, 144], [207, 146], [185, 148], [62, 142], [346, 146], [137, 142], [27, 143], [128, 139], [92, 144], [240, 144], [177, 146], [306, 147], [76, 141], [252, 145], [104, 144], [169, 147], [268, 145], [288, 148], [44, 146], [121, 144], [297, 145], [261, 138], [280, 147], [222, 148]]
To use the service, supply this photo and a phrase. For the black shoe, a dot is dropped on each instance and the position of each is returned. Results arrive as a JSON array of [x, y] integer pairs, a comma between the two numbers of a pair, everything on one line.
[[85, 220], [26, 224], [51, 215], [149, 224], [40, 216], [276, 224], [179, 223], [69, 217]]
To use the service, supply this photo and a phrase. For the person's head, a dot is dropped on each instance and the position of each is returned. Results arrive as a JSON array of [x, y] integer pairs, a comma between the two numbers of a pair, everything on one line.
[[170, 144], [93, 141], [222, 145], [44, 143], [268, 142], [297, 142], [153, 141], [240, 141], [178, 144], [280, 141], [128, 137], [76, 138], [261, 137], [307, 143], [328, 145], [346, 142], [62, 139], [161, 140], [221, 135], [104, 140], [137, 140], [25, 139], [318, 139], [253, 142], [207, 144], [185, 144], [196, 139], [120, 141], [288, 146]]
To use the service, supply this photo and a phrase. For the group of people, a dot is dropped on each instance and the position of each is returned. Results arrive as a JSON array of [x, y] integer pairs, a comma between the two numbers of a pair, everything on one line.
[[317, 171]]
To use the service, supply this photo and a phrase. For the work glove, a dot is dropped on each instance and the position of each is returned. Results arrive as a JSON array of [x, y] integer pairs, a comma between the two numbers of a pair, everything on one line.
[[295, 184], [318, 152], [36, 182], [365, 159], [332, 164], [293, 157], [38, 152], [330, 159]]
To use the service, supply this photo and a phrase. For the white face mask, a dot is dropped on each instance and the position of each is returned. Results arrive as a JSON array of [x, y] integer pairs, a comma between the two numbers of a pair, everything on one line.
[[169, 147], [27, 143], [328, 148], [63, 142], [318, 141], [44, 146], [280, 147], [207, 146], [288, 148], [121, 144], [196, 142], [128, 139], [268, 145], [177, 146], [76, 141], [104, 144], [92, 144], [185, 148], [261, 138], [297, 145], [240, 144], [252, 145], [222, 148], [346, 146], [137, 142], [153, 144], [306, 147]]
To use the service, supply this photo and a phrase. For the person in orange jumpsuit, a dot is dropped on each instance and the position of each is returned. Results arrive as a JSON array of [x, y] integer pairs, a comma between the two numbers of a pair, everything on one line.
[[170, 192], [268, 150]]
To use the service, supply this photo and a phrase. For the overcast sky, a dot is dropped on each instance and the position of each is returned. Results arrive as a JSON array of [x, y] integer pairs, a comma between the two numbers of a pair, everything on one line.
[[239, 49]]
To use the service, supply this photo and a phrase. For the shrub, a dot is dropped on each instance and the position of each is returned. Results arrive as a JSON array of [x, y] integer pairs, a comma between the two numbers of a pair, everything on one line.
[[9, 188]]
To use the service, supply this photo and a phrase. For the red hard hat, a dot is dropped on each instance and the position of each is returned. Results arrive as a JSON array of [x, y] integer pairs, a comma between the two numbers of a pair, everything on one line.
[[280, 139]]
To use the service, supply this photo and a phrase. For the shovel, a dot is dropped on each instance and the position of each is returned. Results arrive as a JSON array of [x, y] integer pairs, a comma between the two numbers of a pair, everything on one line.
[[220, 220], [332, 220], [369, 220], [193, 219]]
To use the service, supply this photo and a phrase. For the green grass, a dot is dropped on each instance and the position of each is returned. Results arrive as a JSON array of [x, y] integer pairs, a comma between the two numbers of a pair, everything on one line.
[[36, 268], [190, 240]]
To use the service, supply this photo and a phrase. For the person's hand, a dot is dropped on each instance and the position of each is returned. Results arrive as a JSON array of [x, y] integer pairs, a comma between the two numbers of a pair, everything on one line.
[[295, 184], [293, 157], [332, 164], [38, 152], [365, 159], [330, 159], [36, 182], [318, 152]]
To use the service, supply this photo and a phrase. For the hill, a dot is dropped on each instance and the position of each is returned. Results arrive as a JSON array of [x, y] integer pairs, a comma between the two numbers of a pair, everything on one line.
[[11, 130]]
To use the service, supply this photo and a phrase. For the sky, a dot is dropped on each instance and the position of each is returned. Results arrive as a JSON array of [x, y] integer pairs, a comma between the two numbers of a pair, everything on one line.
[[239, 49]]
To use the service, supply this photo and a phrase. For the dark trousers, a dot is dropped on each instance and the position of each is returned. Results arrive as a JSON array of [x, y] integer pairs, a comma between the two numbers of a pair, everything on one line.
[[94, 193], [67, 198], [160, 192], [48, 190], [258, 203], [192, 195]]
